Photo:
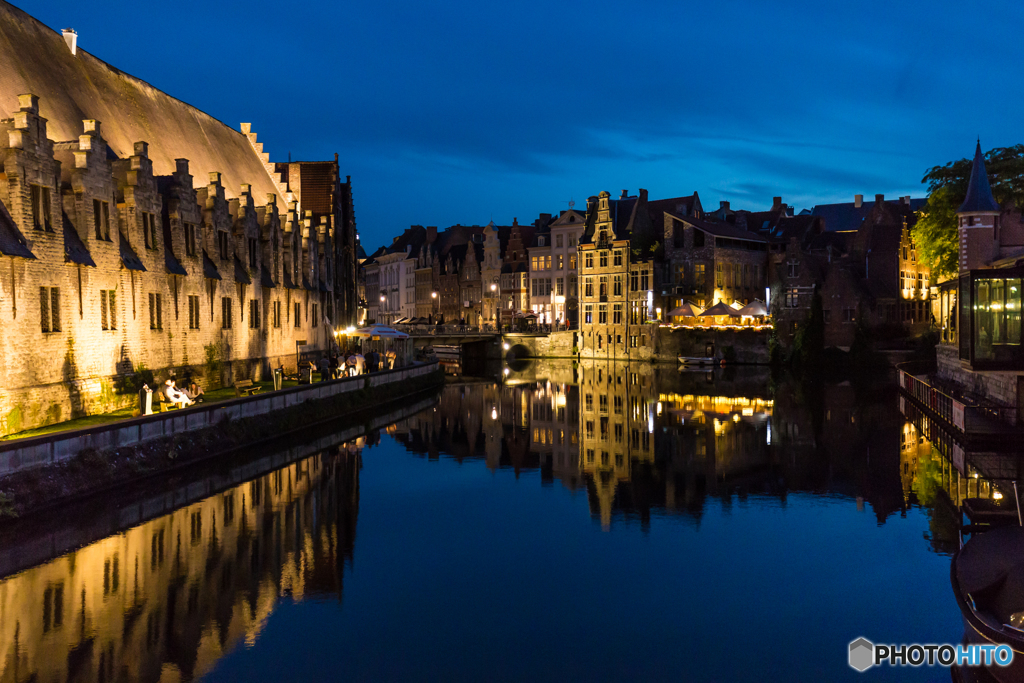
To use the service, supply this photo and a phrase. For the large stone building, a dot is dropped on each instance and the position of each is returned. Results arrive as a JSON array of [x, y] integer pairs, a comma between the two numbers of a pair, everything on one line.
[[159, 239]]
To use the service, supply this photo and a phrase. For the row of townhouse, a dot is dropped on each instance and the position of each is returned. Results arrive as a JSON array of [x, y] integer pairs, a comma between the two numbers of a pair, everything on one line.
[[617, 270]]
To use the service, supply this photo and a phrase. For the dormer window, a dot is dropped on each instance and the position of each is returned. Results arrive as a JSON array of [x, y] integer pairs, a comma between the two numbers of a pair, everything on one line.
[[41, 208], [149, 230], [540, 241], [222, 244], [101, 219]]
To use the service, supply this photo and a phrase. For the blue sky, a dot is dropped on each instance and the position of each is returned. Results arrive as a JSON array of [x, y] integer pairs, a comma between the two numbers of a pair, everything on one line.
[[463, 112]]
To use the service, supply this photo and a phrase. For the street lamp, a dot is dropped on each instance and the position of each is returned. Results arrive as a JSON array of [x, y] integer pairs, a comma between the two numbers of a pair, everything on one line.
[[497, 305], [433, 295]]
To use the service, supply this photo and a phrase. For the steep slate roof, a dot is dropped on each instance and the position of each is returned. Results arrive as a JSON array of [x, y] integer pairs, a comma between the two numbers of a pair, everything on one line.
[[725, 230], [75, 250], [979, 192], [76, 87], [129, 258], [210, 268], [12, 242], [848, 216]]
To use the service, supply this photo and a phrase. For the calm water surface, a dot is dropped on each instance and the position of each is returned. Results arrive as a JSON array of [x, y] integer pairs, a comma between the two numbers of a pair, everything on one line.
[[603, 522]]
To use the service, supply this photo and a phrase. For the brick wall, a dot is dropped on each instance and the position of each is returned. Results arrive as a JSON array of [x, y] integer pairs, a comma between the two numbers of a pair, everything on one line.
[[67, 367]]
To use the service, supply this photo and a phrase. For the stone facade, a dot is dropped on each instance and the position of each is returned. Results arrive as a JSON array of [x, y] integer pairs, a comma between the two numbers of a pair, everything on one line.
[[114, 268], [617, 279]]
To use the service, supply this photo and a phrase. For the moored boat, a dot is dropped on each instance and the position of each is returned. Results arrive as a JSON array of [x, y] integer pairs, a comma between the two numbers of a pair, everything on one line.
[[698, 360], [988, 581]]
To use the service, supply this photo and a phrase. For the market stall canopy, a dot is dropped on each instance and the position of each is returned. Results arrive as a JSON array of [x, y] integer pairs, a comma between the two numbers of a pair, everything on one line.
[[382, 331], [755, 309], [687, 310], [720, 309], [401, 321]]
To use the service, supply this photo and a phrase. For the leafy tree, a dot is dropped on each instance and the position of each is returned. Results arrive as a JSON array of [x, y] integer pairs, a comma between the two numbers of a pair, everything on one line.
[[935, 232]]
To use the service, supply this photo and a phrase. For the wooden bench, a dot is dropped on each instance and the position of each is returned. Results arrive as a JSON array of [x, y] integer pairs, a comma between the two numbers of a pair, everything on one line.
[[163, 405], [246, 387]]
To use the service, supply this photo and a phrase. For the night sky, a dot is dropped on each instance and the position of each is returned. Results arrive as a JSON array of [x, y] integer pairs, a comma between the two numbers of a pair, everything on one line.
[[459, 112]]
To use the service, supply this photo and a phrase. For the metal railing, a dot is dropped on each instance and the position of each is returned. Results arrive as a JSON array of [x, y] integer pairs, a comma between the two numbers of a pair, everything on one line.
[[954, 409]]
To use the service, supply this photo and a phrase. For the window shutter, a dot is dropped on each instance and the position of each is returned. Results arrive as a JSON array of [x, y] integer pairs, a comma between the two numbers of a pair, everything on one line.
[[103, 309], [55, 309]]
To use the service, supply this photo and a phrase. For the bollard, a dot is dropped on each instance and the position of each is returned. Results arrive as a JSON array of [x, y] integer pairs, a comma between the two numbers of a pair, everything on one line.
[[278, 378]]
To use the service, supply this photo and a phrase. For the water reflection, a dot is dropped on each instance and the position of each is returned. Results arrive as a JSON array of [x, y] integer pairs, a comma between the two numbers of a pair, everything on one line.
[[167, 599], [164, 600], [644, 439]]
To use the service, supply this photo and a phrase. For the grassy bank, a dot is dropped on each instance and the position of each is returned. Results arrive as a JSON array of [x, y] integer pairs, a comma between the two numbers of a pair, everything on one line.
[[93, 471]]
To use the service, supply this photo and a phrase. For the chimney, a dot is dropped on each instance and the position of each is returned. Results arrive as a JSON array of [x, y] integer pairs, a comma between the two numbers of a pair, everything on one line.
[[71, 38], [724, 206], [624, 195], [776, 202], [431, 233], [858, 200], [905, 200], [879, 199]]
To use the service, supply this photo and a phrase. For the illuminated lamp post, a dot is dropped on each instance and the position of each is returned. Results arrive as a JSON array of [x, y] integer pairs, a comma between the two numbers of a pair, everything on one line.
[[497, 305], [433, 295]]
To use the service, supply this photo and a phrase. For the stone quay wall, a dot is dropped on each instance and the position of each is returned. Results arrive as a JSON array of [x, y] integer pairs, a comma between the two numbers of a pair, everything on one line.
[[747, 346], [997, 386], [25, 454]]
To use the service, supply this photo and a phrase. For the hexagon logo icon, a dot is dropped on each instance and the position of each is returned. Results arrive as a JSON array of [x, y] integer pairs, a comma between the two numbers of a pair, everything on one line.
[[862, 654]]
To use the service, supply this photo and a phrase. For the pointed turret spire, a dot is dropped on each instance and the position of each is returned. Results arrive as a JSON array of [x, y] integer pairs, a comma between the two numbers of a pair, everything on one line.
[[979, 193]]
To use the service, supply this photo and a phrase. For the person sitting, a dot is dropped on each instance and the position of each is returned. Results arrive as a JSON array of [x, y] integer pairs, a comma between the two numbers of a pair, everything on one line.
[[176, 395], [195, 392]]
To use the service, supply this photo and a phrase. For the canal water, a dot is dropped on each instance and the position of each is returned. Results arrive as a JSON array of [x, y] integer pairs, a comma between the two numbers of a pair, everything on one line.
[[597, 522]]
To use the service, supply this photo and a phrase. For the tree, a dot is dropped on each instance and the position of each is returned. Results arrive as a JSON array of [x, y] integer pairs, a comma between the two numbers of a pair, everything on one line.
[[935, 233]]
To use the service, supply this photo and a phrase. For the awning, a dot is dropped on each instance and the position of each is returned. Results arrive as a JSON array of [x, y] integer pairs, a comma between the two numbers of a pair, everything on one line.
[[12, 242], [172, 264], [241, 275], [210, 271], [755, 309], [129, 258], [720, 309], [687, 310], [265, 279], [75, 250]]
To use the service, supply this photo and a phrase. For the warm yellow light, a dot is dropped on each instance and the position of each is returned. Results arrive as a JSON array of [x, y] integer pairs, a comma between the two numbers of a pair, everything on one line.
[[997, 496]]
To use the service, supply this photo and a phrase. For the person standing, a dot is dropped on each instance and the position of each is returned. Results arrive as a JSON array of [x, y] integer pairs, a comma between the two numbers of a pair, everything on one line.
[[325, 368]]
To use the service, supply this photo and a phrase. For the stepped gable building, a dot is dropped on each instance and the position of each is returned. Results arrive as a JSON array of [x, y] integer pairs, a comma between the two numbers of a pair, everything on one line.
[[142, 232], [617, 251]]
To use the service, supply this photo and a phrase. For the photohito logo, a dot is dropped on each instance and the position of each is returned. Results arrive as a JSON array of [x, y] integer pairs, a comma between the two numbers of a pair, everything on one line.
[[864, 654]]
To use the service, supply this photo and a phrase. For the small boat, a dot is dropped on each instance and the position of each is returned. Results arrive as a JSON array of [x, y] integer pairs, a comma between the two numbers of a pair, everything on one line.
[[988, 581], [697, 360]]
